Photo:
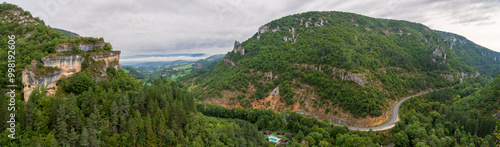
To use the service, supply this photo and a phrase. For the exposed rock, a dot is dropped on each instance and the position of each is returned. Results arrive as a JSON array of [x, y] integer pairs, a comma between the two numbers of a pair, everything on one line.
[[34, 62], [269, 76], [346, 75], [439, 51], [263, 29], [30, 81], [238, 48], [460, 75], [69, 65], [110, 58], [276, 91], [230, 63], [320, 23], [82, 46], [17, 16]]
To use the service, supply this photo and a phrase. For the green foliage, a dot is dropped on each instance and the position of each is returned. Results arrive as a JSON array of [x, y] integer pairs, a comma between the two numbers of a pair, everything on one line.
[[66, 33], [486, 61], [402, 57], [79, 83], [443, 118]]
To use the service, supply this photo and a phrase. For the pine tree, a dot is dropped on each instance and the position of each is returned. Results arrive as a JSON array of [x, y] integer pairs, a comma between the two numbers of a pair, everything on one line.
[[30, 110], [150, 134], [73, 137], [62, 127], [114, 117], [132, 130], [84, 138]]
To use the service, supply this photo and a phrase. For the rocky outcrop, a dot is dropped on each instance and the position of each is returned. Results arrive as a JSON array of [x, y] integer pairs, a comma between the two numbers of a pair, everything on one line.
[[276, 91], [439, 51], [346, 75], [230, 63], [85, 47], [17, 16], [30, 80], [460, 75], [269, 76], [110, 58], [69, 65], [238, 48]]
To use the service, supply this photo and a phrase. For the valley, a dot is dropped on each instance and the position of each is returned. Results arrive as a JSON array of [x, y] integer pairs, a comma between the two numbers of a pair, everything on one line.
[[317, 78]]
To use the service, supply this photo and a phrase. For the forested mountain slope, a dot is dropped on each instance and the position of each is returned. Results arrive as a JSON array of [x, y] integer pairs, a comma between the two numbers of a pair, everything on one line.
[[484, 60], [332, 65]]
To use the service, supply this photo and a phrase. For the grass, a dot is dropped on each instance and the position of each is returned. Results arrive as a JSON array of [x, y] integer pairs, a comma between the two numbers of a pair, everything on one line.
[[173, 78], [185, 66], [126, 71]]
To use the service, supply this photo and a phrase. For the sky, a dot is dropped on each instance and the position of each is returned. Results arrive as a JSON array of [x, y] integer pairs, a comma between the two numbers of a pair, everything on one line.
[[147, 27]]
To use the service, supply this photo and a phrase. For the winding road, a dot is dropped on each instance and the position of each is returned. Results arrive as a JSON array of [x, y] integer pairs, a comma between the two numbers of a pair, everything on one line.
[[394, 117]]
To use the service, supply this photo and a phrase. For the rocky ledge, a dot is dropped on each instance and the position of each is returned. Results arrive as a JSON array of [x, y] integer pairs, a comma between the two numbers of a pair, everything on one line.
[[65, 66]]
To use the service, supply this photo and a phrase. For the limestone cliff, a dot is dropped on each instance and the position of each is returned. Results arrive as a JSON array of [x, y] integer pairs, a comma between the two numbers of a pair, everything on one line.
[[85, 47], [110, 58], [66, 66], [30, 80]]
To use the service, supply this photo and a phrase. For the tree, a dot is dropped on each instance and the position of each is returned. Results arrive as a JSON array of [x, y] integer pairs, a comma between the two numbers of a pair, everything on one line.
[[62, 127], [84, 138], [400, 140], [497, 135], [310, 140], [114, 117], [324, 143]]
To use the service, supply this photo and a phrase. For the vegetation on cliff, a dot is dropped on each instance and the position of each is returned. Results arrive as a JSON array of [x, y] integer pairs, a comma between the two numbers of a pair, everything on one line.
[[354, 62]]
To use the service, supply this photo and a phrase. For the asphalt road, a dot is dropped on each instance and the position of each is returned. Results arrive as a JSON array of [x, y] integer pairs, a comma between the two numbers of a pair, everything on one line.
[[390, 123]]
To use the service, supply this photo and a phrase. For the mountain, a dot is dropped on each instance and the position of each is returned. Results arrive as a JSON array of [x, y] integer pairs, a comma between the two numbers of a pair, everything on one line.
[[485, 60], [344, 67]]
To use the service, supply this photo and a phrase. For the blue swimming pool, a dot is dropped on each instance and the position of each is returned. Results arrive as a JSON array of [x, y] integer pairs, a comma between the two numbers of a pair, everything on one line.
[[271, 138]]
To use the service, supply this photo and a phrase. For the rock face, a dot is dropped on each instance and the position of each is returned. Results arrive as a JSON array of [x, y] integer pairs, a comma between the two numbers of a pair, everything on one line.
[[230, 63], [238, 48], [345, 75], [67, 66], [82, 46], [30, 81], [111, 58]]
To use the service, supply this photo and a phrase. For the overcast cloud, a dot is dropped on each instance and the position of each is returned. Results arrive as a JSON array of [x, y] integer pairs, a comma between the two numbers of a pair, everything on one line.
[[211, 26]]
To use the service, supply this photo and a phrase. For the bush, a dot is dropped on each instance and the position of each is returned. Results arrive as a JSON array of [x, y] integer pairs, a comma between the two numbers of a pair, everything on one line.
[[80, 83]]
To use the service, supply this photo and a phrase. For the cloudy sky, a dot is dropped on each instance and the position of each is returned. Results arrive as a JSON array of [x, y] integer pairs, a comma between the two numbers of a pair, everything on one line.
[[138, 27]]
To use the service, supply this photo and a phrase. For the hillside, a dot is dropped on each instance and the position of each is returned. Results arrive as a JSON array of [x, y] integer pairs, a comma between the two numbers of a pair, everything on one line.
[[484, 60], [44, 56], [67, 33], [343, 67]]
